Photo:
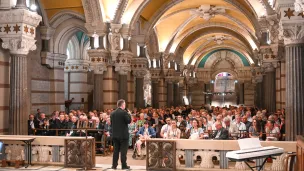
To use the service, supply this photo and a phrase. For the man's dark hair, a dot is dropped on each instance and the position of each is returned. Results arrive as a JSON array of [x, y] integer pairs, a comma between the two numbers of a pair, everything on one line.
[[120, 102]]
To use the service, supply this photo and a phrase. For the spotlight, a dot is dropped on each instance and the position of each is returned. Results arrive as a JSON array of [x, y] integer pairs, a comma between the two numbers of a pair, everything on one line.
[[236, 81]]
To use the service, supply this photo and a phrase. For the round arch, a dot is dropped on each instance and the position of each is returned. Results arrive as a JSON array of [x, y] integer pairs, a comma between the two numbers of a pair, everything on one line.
[[206, 57]]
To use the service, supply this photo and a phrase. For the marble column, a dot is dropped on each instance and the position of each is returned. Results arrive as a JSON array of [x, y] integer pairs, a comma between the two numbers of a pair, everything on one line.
[[241, 93], [139, 95], [169, 94], [155, 98], [176, 95], [269, 99], [259, 94], [98, 91], [19, 98], [294, 91], [122, 87]]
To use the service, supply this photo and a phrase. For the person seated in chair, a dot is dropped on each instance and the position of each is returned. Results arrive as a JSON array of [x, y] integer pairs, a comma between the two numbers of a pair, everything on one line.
[[144, 133], [220, 133]]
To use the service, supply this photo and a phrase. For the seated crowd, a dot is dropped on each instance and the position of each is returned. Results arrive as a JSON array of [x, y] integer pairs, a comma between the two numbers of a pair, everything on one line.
[[181, 122]]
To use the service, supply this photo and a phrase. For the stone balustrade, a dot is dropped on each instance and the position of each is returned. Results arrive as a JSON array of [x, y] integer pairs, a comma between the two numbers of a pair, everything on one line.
[[49, 150], [188, 153]]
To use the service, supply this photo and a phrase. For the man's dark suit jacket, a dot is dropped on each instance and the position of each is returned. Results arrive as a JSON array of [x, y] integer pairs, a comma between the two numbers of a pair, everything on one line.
[[36, 125], [224, 135], [119, 124]]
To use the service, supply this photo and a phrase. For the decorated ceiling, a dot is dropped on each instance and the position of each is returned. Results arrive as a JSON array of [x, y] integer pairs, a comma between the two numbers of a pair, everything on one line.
[[194, 27]]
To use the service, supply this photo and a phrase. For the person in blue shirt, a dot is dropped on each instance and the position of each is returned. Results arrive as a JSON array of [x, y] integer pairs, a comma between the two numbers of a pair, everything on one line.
[[144, 133]]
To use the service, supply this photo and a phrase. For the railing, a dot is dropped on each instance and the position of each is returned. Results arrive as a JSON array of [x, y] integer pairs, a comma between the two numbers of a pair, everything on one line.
[[82, 132], [203, 154], [52, 150]]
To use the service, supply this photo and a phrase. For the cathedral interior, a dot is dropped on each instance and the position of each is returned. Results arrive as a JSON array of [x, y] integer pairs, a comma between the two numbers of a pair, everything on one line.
[[87, 54]]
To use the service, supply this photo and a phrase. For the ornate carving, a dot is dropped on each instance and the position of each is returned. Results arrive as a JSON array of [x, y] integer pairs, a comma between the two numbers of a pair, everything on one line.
[[61, 154], [278, 163], [44, 153], [179, 154], [206, 157], [78, 153], [299, 6], [293, 33], [219, 39], [161, 155], [209, 11], [123, 63], [14, 152], [19, 45]]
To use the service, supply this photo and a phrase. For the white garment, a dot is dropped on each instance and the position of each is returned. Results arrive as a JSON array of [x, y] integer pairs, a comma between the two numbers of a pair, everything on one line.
[[241, 126]]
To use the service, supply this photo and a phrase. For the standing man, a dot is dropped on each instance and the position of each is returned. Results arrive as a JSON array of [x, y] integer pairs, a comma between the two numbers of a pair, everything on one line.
[[120, 134]]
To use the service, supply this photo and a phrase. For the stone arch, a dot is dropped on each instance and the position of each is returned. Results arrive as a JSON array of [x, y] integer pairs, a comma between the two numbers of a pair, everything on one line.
[[63, 34], [197, 61], [212, 56], [230, 27], [64, 16], [157, 15]]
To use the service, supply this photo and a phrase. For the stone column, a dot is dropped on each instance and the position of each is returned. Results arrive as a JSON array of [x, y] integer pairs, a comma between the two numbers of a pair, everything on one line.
[[122, 87], [98, 91], [176, 95], [294, 91], [155, 98], [259, 94], [269, 91], [139, 94], [241, 93], [19, 43], [169, 93], [19, 99]]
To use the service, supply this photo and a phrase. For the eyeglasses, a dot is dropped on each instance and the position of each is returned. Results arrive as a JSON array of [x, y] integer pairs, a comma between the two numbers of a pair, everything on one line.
[[168, 120]]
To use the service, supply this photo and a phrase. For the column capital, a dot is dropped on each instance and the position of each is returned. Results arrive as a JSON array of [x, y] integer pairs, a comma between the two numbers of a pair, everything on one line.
[[77, 66], [155, 73], [140, 73], [19, 35], [299, 5], [292, 33], [123, 62]]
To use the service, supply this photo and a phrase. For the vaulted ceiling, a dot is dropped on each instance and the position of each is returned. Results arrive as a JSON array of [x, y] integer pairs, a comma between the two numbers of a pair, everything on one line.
[[194, 27]]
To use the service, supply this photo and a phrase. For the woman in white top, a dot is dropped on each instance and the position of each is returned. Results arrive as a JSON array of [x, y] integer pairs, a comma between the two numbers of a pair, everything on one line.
[[195, 131], [173, 132]]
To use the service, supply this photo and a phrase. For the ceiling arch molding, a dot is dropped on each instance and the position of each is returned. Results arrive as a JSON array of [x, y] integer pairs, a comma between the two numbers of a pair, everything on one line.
[[201, 53], [198, 58], [230, 56], [157, 15], [63, 34], [212, 25], [207, 57], [222, 14], [195, 53], [64, 16], [204, 34]]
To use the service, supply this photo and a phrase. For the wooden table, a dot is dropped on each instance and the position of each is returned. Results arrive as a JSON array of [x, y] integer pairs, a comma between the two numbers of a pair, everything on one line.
[[26, 140]]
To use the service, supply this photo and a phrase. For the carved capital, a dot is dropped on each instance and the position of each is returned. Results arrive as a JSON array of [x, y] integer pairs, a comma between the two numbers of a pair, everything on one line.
[[19, 30], [77, 66], [52, 60], [123, 63], [100, 69], [299, 5], [293, 33], [140, 73], [19, 45]]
